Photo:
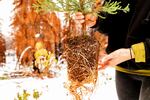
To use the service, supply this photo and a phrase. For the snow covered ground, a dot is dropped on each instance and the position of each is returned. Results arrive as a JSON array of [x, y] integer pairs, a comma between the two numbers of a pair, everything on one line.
[[51, 88], [48, 88]]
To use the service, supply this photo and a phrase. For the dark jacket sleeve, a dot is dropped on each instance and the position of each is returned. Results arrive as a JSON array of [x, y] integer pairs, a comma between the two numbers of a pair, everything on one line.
[[139, 30], [116, 26], [147, 49]]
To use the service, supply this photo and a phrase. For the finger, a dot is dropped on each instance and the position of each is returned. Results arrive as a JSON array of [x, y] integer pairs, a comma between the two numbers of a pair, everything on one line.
[[79, 15], [90, 20], [106, 59], [90, 23], [103, 65], [90, 17], [80, 21]]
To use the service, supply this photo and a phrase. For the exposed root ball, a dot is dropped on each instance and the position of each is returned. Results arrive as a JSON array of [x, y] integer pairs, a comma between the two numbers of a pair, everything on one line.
[[81, 53]]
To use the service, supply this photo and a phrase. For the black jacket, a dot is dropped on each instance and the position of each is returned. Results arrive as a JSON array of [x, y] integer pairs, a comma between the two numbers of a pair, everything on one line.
[[126, 29]]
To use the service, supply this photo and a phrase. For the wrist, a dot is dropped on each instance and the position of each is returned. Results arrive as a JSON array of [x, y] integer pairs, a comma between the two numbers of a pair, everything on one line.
[[131, 53]]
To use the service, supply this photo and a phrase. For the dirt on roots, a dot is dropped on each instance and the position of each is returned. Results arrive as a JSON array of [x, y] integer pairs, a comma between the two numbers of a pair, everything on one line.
[[81, 53]]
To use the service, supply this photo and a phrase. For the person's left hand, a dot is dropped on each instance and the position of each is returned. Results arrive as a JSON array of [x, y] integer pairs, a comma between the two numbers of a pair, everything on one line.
[[89, 19], [116, 57]]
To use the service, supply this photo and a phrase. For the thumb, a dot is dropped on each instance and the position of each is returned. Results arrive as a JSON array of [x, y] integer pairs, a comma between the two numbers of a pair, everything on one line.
[[106, 59], [103, 63]]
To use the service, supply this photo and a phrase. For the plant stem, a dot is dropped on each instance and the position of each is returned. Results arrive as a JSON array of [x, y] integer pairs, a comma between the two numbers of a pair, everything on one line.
[[83, 24], [84, 28]]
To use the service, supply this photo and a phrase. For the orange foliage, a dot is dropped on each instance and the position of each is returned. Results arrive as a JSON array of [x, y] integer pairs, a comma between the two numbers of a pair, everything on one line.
[[26, 23]]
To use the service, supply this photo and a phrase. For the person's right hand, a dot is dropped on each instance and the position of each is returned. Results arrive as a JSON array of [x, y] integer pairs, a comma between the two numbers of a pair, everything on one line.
[[89, 19], [116, 57]]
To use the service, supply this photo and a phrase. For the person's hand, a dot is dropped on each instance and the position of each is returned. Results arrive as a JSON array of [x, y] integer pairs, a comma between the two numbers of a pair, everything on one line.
[[116, 57], [89, 19]]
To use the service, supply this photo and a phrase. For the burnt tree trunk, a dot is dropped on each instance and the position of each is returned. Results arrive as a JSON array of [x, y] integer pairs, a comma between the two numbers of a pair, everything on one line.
[[2, 50]]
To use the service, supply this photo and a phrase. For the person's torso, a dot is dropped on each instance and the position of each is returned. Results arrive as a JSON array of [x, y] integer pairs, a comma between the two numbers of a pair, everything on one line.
[[125, 29]]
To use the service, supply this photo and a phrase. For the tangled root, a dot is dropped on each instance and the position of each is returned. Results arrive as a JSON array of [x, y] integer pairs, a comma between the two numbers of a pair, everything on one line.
[[81, 53]]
